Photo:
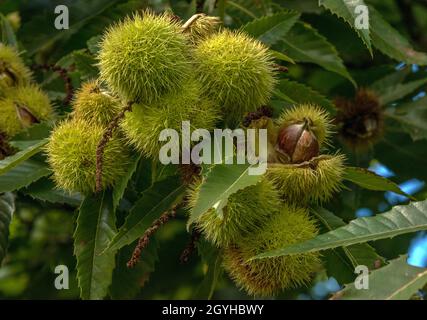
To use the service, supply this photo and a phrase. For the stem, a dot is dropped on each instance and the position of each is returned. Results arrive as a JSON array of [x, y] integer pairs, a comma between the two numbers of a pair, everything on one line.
[[189, 249], [280, 68], [192, 20], [6, 149], [63, 73], [103, 143], [145, 239]]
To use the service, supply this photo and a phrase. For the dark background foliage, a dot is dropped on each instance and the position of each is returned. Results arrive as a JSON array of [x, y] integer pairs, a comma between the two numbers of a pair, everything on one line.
[[330, 58]]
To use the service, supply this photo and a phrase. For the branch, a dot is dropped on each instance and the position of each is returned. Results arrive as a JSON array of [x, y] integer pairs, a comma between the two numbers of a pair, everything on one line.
[[63, 73], [280, 68], [189, 249], [145, 239], [6, 149], [103, 143]]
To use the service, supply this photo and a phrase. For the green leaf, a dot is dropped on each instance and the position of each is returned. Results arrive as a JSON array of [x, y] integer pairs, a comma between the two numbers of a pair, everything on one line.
[[345, 9], [221, 4], [127, 283], [270, 29], [213, 274], [95, 229], [396, 281], [399, 91], [152, 204], [281, 56], [12, 161], [120, 187], [399, 220], [338, 266], [358, 254], [7, 208], [7, 34], [37, 131], [45, 190], [298, 93], [389, 80], [93, 44], [371, 181], [38, 35], [85, 64], [212, 258], [304, 44], [390, 42], [221, 182], [412, 117], [23, 175]]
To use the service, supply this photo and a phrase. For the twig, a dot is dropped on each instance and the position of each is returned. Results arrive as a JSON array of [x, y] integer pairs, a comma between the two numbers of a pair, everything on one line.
[[103, 143], [189, 172], [6, 149], [63, 73], [280, 68], [145, 239], [192, 20], [264, 111], [189, 249]]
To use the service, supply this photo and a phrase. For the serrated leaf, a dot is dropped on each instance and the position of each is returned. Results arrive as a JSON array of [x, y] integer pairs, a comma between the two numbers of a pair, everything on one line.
[[346, 10], [85, 64], [37, 131], [221, 182], [127, 282], [396, 281], [7, 209], [358, 254], [120, 187], [93, 44], [371, 181], [38, 35], [95, 229], [414, 123], [23, 175], [281, 56], [152, 204], [213, 274], [298, 93], [45, 190], [304, 44], [412, 117], [389, 80], [337, 265], [8, 35], [270, 29], [399, 91], [12, 161], [390, 42], [399, 220]]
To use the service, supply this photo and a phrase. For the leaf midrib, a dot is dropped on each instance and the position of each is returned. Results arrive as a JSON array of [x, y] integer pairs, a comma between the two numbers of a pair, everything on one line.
[[95, 245], [226, 191], [413, 280], [121, 235], [360, 239]]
